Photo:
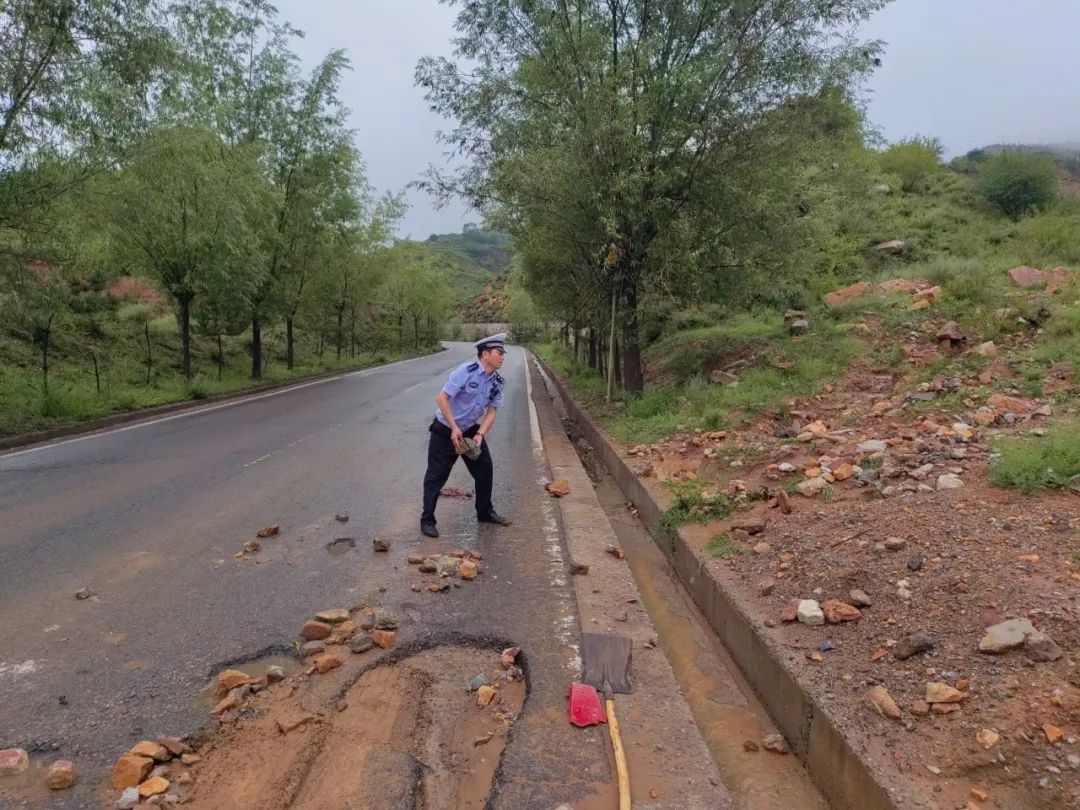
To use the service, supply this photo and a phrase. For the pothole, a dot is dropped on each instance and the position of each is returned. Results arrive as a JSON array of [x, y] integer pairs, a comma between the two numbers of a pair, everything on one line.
[[255, 668], [408, 734], [341, 545]]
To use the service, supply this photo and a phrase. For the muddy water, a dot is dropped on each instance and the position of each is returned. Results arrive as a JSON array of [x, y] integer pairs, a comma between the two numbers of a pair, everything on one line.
[[722, 702], [254, 668]]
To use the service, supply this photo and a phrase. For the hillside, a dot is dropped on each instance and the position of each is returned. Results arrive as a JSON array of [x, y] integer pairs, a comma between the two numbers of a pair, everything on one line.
[[473, 258]]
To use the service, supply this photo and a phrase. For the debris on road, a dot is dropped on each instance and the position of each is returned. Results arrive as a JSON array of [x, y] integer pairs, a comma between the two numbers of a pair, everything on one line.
[[268, 531], [579, 569], [380, 545], [84, 593], [13, 761], [342, 517], [454, 492], [775, 743], [508, 657], [558, 488], [616, 552]]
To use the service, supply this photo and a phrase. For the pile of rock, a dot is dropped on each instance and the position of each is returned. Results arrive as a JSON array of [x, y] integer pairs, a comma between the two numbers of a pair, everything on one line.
[[373, 627], [458, 564], [234, 686], [15, 761], [155, 769]]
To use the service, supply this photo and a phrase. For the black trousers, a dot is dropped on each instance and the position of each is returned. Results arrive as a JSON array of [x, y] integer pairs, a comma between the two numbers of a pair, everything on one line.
[[441, 456]]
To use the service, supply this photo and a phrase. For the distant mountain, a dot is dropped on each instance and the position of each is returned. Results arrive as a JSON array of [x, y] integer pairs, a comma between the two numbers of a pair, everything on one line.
[[477, 261], [1064, 149]]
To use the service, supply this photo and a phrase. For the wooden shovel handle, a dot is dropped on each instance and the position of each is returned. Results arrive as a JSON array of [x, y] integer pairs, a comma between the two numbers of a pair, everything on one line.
[[620, 756]]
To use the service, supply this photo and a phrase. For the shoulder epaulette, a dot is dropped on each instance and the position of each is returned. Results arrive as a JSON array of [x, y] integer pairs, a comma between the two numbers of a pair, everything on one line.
[[498, 378], [472, 367]]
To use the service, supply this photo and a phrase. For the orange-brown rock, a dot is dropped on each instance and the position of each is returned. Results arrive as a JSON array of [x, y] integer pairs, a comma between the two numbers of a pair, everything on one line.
[[848, 294], [836, 611], [130, 770], [384, 638], [155, 751], [324, 662], [153, 786]]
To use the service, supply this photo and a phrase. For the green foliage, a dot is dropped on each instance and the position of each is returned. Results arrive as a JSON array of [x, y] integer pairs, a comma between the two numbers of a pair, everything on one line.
[[721, 546], [691, 504], [912, 161], [1018, 182], [1033, 463]]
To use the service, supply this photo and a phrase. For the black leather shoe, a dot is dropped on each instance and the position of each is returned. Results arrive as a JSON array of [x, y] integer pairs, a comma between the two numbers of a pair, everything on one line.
[[429, 530], [493, 517]]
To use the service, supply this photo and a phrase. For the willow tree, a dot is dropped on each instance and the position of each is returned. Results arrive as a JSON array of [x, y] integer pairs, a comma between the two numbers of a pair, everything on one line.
[[620, 139]]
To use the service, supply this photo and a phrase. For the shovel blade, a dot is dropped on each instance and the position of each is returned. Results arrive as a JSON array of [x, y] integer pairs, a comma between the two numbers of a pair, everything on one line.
[[584, 706], [605, 661]]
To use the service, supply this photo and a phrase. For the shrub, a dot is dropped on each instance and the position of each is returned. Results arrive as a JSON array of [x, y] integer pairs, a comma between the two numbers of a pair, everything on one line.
[[912, 160], [1018, 182], [1050, 462]]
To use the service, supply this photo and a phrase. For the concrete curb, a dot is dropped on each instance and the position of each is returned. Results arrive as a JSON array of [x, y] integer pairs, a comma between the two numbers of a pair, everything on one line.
[[105, 422], [834, 763]]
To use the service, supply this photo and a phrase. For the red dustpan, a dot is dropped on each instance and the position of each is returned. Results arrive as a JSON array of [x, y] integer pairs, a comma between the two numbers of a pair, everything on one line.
[[584, 706]]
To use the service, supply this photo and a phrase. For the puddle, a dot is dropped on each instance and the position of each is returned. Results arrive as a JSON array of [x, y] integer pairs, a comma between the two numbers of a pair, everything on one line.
[[721, 701], [340, 546], [207, 696]]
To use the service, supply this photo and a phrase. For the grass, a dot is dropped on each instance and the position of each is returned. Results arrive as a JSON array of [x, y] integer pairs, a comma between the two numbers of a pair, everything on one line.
[[1032, 463], [722, 547], [691, 505]]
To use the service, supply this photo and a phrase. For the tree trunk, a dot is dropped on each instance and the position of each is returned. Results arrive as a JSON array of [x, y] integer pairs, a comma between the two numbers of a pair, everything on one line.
[[352, 332], [289, 342], [220, 357], [46, 336], [616, 364], [256, 347], [340, 329], [185, 334], [634, 372], [611, 347], [97, 372], [149, 351]]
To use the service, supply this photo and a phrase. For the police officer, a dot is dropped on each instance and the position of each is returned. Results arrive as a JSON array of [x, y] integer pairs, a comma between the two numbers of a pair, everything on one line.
[[467, 405]]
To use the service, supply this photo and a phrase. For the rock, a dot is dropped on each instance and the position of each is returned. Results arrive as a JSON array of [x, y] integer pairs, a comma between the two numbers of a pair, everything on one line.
[[477, 682], [153, 786], [129, 798], [719, 377], [921, 473], [847, 295], [750, 525], [130, 770], [484, 695], [799, 326], [226, 680], [762, 548], [447, 566], [750, 747], [859, 598], [384, 638], [380, 545], [383, 619], [942, 693], [949, 481], [416, 559], [843, 472], [784, 502], [428, 566], [558, 488], [871, 446], [1008, 635], [912, 644], [987, 738], [312, 648], [1040, 647], [268, 531], [228, 703], [837, 612], [951, 332], [775, 743], [1002, 404], [915, 563], [1024, 276], [1057, 280], [809, 612], [334, 616], [175, 745], [324, 662], [467, 569], [892, 246], [883, 702], [155, 751], [920, 708], [579, 569], [190, 759], [13, 761], [342, 517], [315, 630], [786, 468], [361, 643], [811, 487], [84, 593], [987, 349], [1053, 733], [895, 543], [508, 657]]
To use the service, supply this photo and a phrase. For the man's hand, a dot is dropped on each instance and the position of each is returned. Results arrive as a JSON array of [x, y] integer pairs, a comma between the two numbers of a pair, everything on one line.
[[455, 437], [479, 439]]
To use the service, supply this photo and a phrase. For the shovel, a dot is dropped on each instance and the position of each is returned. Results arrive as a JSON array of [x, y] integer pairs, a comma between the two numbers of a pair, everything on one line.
[[605, 660]]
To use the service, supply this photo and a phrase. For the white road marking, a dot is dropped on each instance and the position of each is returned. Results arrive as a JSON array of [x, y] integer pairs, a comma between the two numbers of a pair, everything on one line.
[[207, 409], [18, 670]]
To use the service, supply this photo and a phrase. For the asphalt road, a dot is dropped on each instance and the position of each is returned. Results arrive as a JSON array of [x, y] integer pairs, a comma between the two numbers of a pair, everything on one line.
[[150, 516]]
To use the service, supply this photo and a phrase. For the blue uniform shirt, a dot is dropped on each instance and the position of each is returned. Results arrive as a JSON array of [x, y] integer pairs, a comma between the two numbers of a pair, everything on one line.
[[471, 390]]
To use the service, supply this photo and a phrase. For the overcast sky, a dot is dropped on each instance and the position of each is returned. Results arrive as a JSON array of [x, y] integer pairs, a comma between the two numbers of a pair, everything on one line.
[[970, 72]]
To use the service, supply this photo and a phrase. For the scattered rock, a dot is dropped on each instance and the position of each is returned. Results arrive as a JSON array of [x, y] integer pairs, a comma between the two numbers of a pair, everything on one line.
[[467, 569], [153, 786], [334, 616], [558, 488], [837, 612], [1008, 635], [750, 525], [895, 543], [129, 798], [416, 559], [987, 349], [484, 695], [883, 702], [786, 468], [849, 294], [156, 751], [579, 569], [268, 531], [750, 747], [868, 448], [13, 761], [380, 545], [775, 743], [251, 546], [892, 246], [809, 612], [912, 644], [428, 566], [920, 708], [446, 566], [1003, 404], [130, 771], [942, 693], [1040, 647], [859, 598], [361, 643], [314, 630], [384, 638], [762, 548], [312, 648], [949, 481], [324, 662], [915, 563], [1024, 276], [784, 502], [508, 657], [275, 674], [383, 619], [987, 738], [342, 517], [951, 332], [228, 703], [226, 680], [616, 552], [84, 593], [790, 611], [190, 759], [1053, 733], [800, 326], [811, 487]]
